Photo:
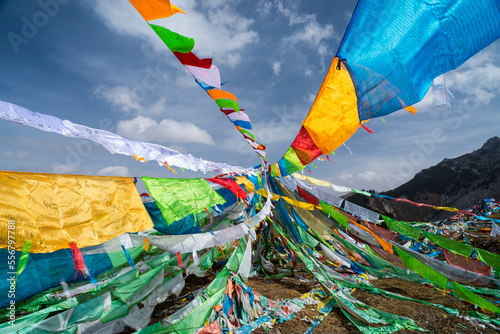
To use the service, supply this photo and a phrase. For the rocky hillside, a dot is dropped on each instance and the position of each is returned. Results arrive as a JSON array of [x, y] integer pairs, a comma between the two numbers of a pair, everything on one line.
[[460, 182]]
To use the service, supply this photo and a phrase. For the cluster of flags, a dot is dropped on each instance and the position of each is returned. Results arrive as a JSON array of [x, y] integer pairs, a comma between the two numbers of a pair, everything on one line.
[[205, 73]]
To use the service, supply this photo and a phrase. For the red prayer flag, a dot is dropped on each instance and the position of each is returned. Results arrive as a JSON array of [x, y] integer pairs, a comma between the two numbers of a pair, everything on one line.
[[231, 185], [179, 259], [192, 60], [308, 196]]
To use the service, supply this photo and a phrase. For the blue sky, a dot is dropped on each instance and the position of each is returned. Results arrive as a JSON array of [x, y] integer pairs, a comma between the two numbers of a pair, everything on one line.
[[97, 63]]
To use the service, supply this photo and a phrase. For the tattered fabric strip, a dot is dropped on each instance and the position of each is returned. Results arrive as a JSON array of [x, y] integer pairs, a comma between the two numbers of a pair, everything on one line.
[[112, 142], [338, 188], [194, 242]]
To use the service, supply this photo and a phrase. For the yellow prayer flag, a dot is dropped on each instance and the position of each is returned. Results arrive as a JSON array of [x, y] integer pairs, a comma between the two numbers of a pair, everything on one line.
[[446, 208], [303, 205], [249, 187], [52, 210], [333, 117], [311, 180]]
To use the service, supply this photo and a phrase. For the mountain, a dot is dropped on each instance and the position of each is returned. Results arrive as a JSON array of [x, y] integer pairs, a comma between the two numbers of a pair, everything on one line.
[[460, 182]]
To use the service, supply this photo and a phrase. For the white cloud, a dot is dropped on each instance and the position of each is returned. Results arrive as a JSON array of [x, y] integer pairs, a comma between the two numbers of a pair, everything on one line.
[[293, 17], [264, 7], [347, 16], [426, 104], [186, 81], [63, 169], [346, 176], [158, 107], [128, 100], [114, 171], [191, 4], [218, 29], [121, 17], [16, 154], [276, 68], [120, 96], [478, 79], [269, 133], [166, 131], [233, 59], [280, 125], [312, 33], [367, 175]]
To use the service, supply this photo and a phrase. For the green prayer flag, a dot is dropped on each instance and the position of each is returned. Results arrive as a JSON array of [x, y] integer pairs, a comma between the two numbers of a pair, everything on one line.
[[491, 259], [422, 269], [174, 41], [462, 292], [116, 310], [273, 171], [178, 198], [118, 258], [361, 192], [307, 238], [247, 133], [86, 312], [197, 317], [451, 245], [340, 218], [127, 292], [402, 228], [230, 104], [368, 329], [234, 261], [292, 161], [208, 259], [23, 259]]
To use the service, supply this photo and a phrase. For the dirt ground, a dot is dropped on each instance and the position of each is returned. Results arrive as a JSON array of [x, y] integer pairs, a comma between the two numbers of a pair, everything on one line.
[[484, 241], [426, 316]]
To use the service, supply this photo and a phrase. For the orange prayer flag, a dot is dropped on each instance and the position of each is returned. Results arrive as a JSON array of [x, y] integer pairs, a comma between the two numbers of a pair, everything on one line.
[[220, 94], [385, 245], [155, 9], [411, 110]]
